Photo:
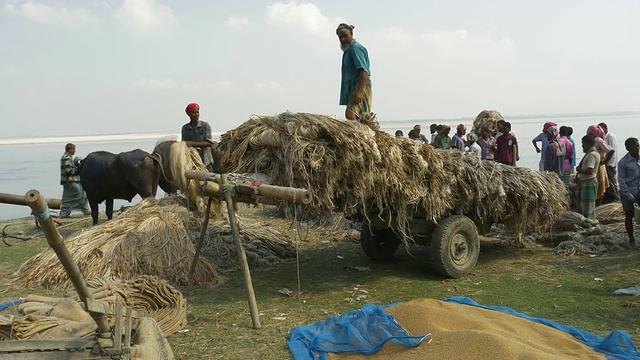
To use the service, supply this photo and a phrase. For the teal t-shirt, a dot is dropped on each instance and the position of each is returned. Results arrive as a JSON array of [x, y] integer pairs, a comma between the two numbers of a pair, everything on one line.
[[353, 60]]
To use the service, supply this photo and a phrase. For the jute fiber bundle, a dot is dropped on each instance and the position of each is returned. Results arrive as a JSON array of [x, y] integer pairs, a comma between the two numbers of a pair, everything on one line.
[[55, 318], [263, 245], [487, 119], [467, 332], [610, 213], [354, 168], [574, 234], [182, 159], [151, 238], [148, 294], [63, 319]]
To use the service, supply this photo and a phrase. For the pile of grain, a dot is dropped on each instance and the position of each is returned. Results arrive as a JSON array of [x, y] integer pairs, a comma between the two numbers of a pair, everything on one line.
[[354, 168], [467, 332]]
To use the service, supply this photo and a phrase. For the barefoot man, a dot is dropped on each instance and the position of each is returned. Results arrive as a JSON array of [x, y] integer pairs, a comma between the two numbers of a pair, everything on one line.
[[629, 181], [355, 87]]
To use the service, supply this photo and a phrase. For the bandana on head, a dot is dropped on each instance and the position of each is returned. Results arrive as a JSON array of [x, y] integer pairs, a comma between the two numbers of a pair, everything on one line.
[[192, 107], [343, 27], [596, 131], [547, 125], [553, 131]]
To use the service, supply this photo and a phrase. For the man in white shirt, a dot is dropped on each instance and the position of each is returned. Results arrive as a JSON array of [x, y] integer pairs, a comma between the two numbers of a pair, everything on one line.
[[610, 139]]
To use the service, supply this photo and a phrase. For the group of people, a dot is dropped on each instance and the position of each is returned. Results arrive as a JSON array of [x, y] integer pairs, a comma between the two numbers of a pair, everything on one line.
[[558, 154], [503, 147], [598, 178]]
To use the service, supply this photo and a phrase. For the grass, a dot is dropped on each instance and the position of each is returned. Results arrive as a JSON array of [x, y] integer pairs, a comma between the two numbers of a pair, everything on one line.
[[531, 280]]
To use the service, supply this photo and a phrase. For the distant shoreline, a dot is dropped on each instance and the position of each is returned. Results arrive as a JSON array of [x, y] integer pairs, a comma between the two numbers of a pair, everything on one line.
[[146, 136], [519, 117], [84, 138]]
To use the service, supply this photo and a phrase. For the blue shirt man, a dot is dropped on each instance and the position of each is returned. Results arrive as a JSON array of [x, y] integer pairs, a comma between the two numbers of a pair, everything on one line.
[[355, 86], [629, 181]]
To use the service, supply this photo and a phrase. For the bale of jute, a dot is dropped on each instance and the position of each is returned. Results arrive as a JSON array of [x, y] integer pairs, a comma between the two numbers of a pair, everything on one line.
[[610, 213], [151, 238], [487, 119], [56, 318], [354, 168]]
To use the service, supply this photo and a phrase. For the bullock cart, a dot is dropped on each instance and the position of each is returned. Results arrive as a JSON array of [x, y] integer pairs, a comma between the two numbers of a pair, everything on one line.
[[402, 192]]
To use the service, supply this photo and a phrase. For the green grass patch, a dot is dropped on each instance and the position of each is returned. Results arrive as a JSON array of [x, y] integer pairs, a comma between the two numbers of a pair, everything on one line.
[[534, 281]]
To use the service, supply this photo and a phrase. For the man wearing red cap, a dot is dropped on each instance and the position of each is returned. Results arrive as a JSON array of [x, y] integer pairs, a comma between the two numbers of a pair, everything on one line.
[[355, 86], [197, 134], [542, 137]]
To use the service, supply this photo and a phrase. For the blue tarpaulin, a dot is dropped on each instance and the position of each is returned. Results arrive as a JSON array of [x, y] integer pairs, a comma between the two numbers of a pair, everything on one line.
[[9, 304], [363, 332], [366, 332]]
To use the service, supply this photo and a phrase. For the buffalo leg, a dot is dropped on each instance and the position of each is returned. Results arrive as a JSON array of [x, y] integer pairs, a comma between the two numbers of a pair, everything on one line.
[[94, 211], [109, 211]]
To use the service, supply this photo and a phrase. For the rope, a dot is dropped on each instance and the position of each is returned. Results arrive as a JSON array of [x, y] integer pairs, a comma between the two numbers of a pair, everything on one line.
[[45, 215], [229, 189], [255, 184]]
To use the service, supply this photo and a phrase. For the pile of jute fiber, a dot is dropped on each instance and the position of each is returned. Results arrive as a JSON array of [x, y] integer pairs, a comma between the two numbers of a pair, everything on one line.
[[467, 332], [354, 168], [151, 238], [264, 246], [487, 119], [53, 318]]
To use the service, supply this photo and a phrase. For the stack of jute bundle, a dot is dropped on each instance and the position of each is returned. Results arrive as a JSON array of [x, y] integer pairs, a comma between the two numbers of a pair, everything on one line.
[[263, 245], [355, 168], [151, 238], [146, 294], [486, 119], [45, 317]]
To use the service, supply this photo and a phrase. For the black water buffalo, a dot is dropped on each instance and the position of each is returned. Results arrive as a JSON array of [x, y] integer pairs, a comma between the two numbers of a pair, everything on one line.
[[167, 181], [107, 176]]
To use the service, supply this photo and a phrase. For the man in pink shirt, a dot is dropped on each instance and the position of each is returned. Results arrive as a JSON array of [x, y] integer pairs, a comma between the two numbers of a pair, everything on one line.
[[568, 169]]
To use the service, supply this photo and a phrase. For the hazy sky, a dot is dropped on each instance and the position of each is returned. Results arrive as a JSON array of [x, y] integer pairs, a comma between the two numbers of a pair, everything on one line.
[[71, 67]]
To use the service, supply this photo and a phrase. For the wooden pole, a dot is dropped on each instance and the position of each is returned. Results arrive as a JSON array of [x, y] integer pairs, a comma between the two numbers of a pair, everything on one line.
[[192, 270], [253, 306], [20, 200], [34, 199], [301, 196]]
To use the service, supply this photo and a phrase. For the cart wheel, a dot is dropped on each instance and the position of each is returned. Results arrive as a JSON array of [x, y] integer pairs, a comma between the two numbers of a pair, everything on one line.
[[455, 246], [378, 244]]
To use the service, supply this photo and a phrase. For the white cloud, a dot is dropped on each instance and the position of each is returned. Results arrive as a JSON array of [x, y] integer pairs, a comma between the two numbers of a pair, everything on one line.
[[219, 85], [306, 17], [51, 15], [238, 23], [163, 84], [170, 84], [269, 86], [146, 16], [460, 44], [395, 35]]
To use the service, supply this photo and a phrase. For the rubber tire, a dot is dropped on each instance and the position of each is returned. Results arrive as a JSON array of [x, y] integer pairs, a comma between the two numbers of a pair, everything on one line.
[[455, 246], [378, 244]]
